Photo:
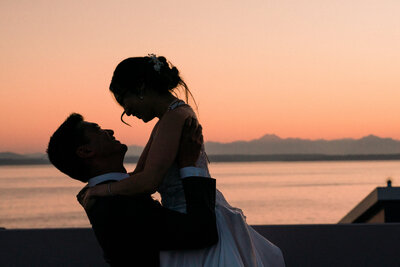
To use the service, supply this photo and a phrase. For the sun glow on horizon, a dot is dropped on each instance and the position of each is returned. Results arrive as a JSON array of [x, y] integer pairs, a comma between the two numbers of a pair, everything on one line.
[[315, 70]]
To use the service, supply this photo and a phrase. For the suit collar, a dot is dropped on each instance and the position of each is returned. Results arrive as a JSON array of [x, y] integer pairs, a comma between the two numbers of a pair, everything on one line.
[[114, 176]]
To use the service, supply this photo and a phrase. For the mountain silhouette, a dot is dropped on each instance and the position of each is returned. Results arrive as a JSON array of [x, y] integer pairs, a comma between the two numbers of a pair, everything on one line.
[[272, 144], [268, 144]]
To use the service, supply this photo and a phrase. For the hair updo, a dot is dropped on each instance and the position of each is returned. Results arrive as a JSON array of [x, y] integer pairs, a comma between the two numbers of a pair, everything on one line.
[[152, 71]]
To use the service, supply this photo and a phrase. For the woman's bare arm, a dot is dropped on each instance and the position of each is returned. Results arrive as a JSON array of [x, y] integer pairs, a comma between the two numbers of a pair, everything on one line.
[[161, 155]]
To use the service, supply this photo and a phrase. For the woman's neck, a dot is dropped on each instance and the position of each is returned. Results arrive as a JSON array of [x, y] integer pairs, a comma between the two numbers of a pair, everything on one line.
[[162, 105]]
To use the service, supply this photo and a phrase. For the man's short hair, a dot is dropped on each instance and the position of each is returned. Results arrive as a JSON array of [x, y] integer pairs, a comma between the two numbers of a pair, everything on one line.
[[63, 145]]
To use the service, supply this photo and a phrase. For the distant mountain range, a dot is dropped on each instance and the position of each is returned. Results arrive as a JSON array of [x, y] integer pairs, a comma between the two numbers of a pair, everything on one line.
[[268, 147], [272, 144]]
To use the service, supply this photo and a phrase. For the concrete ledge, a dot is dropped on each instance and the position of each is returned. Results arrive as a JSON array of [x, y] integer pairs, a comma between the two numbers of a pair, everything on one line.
[[302, 245], [50, 247]]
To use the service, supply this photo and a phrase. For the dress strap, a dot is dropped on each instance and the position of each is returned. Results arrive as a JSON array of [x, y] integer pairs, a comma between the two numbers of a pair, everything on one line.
[[176, 103]]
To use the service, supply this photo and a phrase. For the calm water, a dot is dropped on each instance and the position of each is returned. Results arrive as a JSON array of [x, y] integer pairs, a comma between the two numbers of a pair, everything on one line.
[[267, 192]]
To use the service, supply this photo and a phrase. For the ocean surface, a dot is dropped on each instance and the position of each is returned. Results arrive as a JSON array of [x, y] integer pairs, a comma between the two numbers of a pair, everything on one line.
[[39, 196]]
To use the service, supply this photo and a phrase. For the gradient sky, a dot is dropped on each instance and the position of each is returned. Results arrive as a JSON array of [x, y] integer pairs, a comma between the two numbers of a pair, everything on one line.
[[309, 69]]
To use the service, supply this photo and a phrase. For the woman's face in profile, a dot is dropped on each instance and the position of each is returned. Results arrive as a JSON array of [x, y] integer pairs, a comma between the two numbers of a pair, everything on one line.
[[137, 105]]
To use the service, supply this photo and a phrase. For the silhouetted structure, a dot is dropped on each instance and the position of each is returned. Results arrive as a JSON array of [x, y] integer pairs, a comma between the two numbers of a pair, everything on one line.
[[381, 206]]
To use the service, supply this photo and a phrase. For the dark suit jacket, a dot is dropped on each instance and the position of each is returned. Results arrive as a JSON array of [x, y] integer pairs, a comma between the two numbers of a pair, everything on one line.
[[133, 230]]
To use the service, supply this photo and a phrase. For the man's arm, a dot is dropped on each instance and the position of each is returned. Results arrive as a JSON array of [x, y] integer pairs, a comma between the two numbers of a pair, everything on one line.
[[134, 229]]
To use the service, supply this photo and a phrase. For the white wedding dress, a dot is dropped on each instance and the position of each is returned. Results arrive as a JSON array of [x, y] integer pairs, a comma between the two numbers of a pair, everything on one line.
[[239, 244]]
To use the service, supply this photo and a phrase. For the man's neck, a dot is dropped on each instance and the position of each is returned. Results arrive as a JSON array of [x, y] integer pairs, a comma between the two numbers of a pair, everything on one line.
[[101, 169]]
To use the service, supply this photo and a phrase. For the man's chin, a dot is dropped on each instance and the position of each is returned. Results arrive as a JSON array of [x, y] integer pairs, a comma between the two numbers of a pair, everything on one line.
[[124, 148]]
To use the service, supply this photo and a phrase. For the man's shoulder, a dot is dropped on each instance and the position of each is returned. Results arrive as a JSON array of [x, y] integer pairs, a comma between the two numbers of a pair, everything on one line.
[[118, 203], [111, 209]]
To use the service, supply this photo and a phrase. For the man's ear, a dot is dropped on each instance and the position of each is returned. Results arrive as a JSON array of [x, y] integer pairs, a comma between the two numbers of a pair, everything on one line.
[[85, 151]]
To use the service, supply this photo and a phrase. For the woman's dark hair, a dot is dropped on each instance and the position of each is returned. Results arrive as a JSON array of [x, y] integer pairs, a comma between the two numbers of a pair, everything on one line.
[[62, 148], [151, 71]]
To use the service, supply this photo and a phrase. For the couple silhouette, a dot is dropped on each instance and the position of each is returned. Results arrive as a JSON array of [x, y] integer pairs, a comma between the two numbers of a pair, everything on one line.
[[194, 225]]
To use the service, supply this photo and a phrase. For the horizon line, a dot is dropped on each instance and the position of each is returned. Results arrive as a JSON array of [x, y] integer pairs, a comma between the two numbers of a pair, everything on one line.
[[256, 139]]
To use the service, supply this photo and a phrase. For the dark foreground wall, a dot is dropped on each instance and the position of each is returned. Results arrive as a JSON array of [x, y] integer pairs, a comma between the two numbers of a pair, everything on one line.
[[302, 245], [337, 245]]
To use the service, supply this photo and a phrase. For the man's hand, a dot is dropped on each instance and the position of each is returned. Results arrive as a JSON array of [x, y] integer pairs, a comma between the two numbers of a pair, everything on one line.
[[190, 144], [84, 198]]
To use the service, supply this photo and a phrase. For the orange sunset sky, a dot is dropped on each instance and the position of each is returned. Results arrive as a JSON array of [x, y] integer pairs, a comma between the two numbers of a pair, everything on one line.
[[309, 69]]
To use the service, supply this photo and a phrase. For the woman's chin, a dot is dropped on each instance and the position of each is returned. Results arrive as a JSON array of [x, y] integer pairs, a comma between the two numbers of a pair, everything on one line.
[[146, 120]]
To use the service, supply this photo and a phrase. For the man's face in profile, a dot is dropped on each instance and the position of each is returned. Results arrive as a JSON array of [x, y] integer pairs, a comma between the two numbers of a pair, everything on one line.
[[102, 142]]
